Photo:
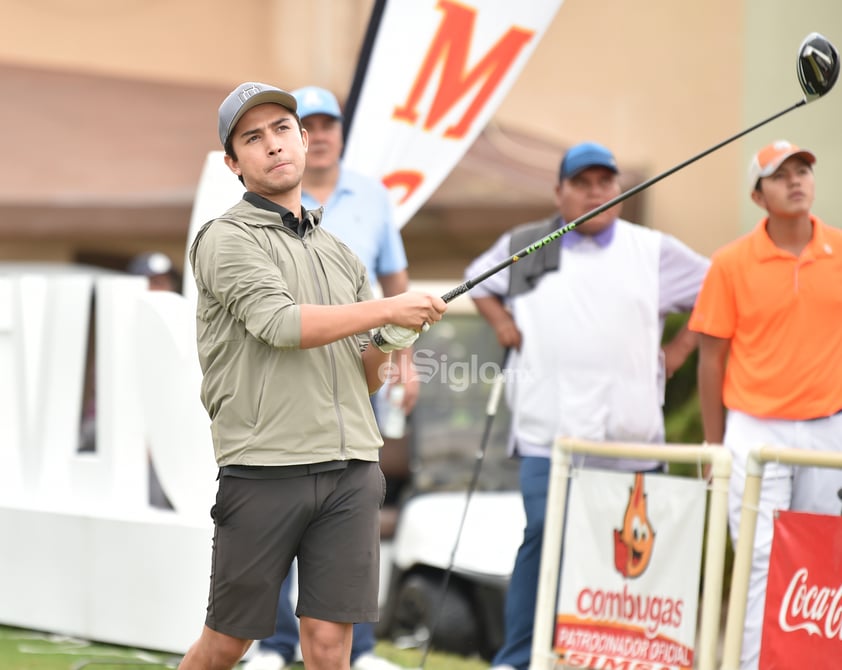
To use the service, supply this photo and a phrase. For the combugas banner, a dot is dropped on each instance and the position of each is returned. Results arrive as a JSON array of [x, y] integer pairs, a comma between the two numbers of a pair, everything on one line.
[[629, 586], [802, 624], [437, 71]]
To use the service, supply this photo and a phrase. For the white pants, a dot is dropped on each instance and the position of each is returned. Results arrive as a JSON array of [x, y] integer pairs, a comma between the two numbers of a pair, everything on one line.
[[783, 487]]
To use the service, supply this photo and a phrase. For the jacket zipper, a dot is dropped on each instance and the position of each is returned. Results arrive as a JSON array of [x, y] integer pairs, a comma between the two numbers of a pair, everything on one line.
[[334, 376]]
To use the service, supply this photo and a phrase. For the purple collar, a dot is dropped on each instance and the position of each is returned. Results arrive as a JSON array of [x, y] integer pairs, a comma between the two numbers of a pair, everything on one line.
[[602, 238]]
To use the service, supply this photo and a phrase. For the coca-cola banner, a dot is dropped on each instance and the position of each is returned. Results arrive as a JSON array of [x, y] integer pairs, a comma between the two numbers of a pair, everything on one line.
[[629, 584], [802, 624]]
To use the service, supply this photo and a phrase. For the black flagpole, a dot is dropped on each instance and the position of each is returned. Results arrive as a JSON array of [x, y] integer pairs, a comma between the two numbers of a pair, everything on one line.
[[362, 68]]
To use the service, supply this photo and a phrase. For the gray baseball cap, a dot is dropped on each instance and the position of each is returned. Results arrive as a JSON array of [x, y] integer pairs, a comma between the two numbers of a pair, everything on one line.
[[243, 98]]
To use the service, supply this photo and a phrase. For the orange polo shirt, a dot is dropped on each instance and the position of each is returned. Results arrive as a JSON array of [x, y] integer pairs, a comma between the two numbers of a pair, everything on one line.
[[783, 315]]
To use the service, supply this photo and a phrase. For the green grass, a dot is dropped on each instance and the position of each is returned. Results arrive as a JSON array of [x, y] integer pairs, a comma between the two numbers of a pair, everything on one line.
[[30, 650]]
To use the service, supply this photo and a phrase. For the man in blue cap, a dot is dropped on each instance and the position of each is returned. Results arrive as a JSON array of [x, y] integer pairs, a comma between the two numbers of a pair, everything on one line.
[[358, 211], [585, 318]]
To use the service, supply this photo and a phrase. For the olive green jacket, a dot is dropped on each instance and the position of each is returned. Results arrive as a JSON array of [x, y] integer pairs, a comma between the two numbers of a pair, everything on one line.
[[271, 402]]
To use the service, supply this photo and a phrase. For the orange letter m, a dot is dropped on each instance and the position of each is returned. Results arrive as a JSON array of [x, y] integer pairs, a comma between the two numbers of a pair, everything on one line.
[[450, 47]]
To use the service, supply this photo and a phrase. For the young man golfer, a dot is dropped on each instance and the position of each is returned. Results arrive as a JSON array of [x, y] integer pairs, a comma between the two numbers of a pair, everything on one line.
[[283, 318]]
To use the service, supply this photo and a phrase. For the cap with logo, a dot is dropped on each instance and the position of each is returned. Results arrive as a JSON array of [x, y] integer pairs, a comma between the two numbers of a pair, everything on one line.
[[769, 158], [314, 100], [243, 98], [582, 156]]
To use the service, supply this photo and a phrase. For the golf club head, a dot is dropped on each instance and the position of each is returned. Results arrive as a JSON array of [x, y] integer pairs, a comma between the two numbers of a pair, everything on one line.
[[818, 66]]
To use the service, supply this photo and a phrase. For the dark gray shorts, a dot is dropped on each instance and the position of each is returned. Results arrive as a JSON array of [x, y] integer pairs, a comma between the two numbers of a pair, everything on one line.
[[329, 520]]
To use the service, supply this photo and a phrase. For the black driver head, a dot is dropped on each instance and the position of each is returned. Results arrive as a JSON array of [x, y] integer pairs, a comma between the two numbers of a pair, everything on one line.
[[818, 66]]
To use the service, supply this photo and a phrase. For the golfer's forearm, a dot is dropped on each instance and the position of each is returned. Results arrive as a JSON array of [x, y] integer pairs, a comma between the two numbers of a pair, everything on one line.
[[323, 324]]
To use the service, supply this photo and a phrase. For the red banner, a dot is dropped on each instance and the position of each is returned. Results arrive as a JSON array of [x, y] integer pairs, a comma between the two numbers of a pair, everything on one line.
[[802, 624]]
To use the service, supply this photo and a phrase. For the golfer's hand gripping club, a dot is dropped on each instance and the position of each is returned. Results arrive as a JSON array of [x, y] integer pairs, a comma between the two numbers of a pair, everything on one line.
[[392, 338], [408, 309]]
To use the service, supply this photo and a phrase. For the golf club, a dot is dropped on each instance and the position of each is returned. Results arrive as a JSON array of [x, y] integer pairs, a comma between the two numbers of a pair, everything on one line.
[[817, 68], [490, 413]]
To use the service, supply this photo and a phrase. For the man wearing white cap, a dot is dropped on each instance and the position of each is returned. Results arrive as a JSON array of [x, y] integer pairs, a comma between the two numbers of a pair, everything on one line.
[[358, 211], [770, 351]]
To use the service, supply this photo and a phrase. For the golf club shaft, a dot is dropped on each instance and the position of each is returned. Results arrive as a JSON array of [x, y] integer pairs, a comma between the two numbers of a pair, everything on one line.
[[553, 236]]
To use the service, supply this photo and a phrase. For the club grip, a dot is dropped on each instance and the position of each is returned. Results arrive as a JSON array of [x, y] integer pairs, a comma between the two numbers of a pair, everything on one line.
[[378, 339], [456, 292]]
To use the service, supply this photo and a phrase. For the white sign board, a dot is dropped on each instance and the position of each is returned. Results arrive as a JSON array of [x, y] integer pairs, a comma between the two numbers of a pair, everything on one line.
[[630, 570]]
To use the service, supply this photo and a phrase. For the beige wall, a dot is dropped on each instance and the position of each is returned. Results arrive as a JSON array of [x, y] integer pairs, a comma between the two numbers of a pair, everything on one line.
[[199, 41], [657, 80], [654, 80], [774, 31]]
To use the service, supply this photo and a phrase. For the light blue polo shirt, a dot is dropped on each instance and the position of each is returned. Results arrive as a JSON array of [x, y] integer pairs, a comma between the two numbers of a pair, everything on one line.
[[360, 214]]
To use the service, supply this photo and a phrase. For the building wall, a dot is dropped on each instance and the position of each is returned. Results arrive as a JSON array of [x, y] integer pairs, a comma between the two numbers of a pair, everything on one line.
[[193, 41], [643, 78], [774, 31], [657, 80]]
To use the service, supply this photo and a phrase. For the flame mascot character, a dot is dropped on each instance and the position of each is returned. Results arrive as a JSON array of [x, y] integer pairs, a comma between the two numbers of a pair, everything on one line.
[[633, 543]]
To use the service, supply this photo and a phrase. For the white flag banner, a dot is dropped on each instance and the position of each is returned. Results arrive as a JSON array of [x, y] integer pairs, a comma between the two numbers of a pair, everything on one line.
[[437, 71]]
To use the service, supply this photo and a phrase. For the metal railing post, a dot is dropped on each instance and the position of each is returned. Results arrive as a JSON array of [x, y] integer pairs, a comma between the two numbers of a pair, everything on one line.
[[717, 533], [543, 657], [742, 563]]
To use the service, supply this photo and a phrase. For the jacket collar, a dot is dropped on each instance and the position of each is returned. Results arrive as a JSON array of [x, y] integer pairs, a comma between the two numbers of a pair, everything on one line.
[[304, 223]]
